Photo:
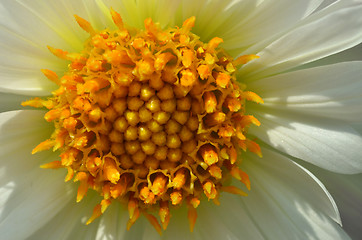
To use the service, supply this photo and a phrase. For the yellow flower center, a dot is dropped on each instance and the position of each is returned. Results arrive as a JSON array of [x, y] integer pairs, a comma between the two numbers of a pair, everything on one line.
[[151, 118]]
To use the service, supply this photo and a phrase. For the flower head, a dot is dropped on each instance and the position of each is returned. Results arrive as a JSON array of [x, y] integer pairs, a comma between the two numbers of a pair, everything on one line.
[[158, 107], [152, 118]]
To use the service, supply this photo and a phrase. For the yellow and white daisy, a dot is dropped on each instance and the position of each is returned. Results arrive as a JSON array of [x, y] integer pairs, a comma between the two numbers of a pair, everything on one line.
[[164, 112]]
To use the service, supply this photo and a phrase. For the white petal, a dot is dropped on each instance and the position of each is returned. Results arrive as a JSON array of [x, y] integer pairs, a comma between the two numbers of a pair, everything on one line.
[[69, 223], [113, 226], [348, 55], [347, 191], [263, 23], [332, 91], [333, 29], [30, 196], [26, 28], [327, 143], [285, 202], [11, 101]]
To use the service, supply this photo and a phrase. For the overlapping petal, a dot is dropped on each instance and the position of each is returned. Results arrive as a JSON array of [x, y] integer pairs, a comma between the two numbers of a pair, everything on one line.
[[285, 202], [314, 38], [324, 142], [11, 102], [26, 30], [347, 191], [27, 192], [332, 91]]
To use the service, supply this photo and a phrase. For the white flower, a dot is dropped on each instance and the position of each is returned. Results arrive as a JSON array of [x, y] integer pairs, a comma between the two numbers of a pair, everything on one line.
[[309, 118]]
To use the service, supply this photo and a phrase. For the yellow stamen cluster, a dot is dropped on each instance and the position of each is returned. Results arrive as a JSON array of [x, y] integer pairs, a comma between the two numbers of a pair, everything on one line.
[[150, 118]]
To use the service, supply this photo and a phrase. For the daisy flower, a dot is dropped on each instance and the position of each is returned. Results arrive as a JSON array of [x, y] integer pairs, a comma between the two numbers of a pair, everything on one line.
[[179, 119]]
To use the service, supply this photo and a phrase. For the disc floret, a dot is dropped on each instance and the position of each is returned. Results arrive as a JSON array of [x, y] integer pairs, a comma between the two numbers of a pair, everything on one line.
[[151, 118]]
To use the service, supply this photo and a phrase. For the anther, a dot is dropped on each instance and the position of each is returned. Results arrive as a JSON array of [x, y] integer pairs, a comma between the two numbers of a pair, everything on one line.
[[188, 78], [215, 118], [146, 195], [215, 171], [210, 102], [176, 197], [162, 60], [204, 71], [159, 184], [209, 189], [222, 80], [180, 179], [110, 171], [209, 154]]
